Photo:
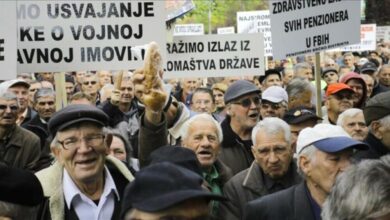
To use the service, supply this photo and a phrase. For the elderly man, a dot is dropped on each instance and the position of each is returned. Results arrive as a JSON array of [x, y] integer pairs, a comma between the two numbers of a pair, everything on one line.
[[339, 97], [90, 86], [384, 75], [44, 103], [272, 170], [352, 121], [369, 182], [272, 77], [19, 147], [330, 75], [20, 88], [83, 183], [303, 70], [370, 69], [273, 102], [300, 93], [243, 112], [377, 116], [323, 152], [188, 86]]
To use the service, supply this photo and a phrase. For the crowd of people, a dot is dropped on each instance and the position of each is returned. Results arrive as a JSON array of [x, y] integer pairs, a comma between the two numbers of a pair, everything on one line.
[[130, 145]]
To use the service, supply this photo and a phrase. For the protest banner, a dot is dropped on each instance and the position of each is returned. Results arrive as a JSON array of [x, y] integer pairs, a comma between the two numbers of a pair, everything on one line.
[[215, 55], [367, 39], [8, 40], [57, 36], [383, 33], [256, 22], [188, 29], [225, 30], [304, 26]]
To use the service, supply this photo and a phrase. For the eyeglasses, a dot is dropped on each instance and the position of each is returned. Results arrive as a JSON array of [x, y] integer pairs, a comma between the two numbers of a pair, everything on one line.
[[12, 107], [274, 106], [89, 82], [248, 101], [73, 142]]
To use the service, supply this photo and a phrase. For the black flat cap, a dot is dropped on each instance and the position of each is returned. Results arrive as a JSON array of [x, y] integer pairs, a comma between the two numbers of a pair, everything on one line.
[[377, 107], [300, 114], [268, 73], [240, 88], [163, 185], [178, 155], [76, 113], [21, 187]]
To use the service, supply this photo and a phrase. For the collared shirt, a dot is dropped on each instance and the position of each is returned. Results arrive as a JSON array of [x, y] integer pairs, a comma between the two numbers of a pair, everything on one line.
[[316, 209], [21, 117], [84, 207]]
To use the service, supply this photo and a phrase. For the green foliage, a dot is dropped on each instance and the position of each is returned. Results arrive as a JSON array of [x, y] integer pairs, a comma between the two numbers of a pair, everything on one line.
[[223, 12]]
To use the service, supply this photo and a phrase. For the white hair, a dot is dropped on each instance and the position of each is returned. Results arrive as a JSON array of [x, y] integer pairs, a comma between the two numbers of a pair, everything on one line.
[[309, 152], [352, 112], [272, 125], [201, 117]]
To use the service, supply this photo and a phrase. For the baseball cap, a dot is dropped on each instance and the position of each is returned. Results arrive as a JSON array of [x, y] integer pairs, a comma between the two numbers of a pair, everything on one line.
[[327, 138], [368, 67], [300, 114], [4, 86], [240, 88], [337, 87], [163, 185], [76, 113], [275, 94]]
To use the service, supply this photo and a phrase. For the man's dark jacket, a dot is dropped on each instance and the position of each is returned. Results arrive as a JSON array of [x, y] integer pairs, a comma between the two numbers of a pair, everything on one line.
[[249, 185], [376, 150], [288, 204], [234, 153]]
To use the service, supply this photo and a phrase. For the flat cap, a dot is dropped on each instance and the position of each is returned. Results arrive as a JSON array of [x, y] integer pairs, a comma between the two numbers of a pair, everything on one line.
[[163, 185], [238, 89], [300, 114], [20, 187], [377, 107], [76, 113], [368, 67]]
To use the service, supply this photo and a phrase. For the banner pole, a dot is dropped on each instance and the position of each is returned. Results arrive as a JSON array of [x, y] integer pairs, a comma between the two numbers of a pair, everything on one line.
[[318, 84]]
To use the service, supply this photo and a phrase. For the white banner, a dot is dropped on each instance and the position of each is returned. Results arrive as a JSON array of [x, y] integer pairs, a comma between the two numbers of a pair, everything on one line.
[[188, 29], [256, 22], [302, 27], [215, 55], [225, 30], [8, 40], [367, 39], [87, 35], [383, 33]]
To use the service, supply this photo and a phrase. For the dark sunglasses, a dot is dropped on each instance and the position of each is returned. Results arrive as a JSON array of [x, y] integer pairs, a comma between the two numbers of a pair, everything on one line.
[[12, 107], [89, 82], [340, 96], [248, 101]]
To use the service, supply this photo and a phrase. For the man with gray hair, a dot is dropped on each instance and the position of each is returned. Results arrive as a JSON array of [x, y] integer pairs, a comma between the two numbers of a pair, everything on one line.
[[19, 147], [272, 170], [323, 152], [377, 115], [300, 93], [303, 70], [361, 192], [352, 121]]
